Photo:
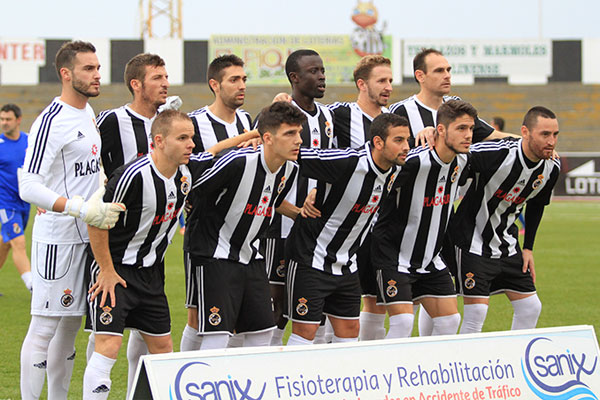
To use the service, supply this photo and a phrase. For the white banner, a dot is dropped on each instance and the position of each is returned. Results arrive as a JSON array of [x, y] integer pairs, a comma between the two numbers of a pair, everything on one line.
[[522, 61], [552, 363]]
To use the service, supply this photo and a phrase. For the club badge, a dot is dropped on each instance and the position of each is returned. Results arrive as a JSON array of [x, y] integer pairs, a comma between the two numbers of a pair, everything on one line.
[[391, 182], [67, 298], [280, 270], [536, 184], [106, 317], [214, 318], [454, 175], [185, 185], [281, 185], [328, 130], [470, 282], [302, 308], [16, 228], [391, 290]]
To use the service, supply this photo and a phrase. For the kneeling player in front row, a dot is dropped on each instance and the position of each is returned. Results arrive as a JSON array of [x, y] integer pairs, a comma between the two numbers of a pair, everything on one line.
[[126, 286]]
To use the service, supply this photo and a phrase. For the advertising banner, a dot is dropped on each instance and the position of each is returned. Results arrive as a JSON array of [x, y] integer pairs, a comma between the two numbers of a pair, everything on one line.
[[20, 59], [522, 61], [580, 175], [552, 363]]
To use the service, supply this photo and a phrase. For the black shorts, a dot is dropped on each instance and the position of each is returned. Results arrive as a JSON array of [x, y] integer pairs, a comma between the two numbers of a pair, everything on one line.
[[142, 305], [310, 293], [481, 276], [366, 270], [232, 296], [191, 291], [402, 288], [273, 250]]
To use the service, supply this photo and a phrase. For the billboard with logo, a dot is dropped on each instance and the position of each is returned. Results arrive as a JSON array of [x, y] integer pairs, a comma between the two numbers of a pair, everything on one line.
[[580, 175], [552, 363]]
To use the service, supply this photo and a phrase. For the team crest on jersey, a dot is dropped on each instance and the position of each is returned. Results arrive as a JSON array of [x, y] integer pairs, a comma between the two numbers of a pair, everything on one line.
[[16, 228], [214, 318], [470, 281], [536, 184], [281, 185], [392, 289], [185, 186], [280, 270], [454, 175], [106, 317], [302, 308], [328, 130], [67, 298], [391, 182]]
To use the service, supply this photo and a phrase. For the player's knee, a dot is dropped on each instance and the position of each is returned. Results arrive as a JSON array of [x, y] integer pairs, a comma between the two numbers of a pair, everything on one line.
[[160, 345], [347, 328], [43, 328], [528, 307], [108, 345], [307, 331]]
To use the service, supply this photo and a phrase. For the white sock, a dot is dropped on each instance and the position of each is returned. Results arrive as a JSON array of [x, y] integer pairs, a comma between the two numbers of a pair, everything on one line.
[[237, 340], [190, 340], [96, 379], [336, 339], [27, 279], [61, 357], [34, 354], [320, 335], [328, 331], [401, 326], [425, 322], [526, 312], [91, 347], [256, 339], [136, 347], [297, 340], [473, 318], [371, 326], [277, 339], [446, 325], [215, 341]]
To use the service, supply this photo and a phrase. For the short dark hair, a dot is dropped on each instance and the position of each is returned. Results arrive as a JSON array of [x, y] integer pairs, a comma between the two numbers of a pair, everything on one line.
[[367, 63], [163, 121], [419, 60], [499, 122], [67, 52], [216, 67], [12, 107], [531, 117], [383, 122], [136, 67], [291, 64], [278, 113], [452, 109]]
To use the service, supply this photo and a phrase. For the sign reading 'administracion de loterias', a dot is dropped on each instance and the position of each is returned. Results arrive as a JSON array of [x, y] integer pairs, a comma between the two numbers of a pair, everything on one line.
[[552, 363]]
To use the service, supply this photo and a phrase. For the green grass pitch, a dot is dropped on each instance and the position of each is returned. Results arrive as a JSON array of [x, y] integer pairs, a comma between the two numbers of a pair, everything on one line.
[[567, 259]]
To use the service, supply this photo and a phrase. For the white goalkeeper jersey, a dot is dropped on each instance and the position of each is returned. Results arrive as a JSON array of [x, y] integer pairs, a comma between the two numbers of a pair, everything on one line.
[[64, 149]]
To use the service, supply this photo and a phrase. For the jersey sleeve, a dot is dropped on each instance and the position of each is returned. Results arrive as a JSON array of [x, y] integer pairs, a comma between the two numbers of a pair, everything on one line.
[[328, 165], [112, 155], [199, 163], [122, 187], [341, 124], [226, 170], [44, 143], [543, 198], [481, 131], [198, 145]]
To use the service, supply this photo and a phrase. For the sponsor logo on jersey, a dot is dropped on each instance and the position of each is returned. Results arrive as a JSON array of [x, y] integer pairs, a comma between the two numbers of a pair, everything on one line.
[[267, 189], [67, 298], [315, 143], [264, 200], [536, 184], [436, 201], [442, 179], [106, 317], [258, 211], [470, 281], [378, 189], [302, 307], [214, 318], [94, 149], [511, 197], [172, 195], [366, 209], [168, 216], [521, 182], [80, 135], [392, 289], [90, 167]]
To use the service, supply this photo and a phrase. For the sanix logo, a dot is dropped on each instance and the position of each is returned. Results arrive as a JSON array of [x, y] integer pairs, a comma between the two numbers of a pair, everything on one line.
[[554, 372], [192, 382]]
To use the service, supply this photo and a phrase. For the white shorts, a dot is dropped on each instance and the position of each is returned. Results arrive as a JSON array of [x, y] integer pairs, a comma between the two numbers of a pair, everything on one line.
[[58, 279]]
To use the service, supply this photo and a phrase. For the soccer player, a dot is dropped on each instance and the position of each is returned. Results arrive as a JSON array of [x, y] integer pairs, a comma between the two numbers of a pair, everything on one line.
[[510, 174], [126, 277], [221, 120], [61, 170], [321, 252], [373, 78], [14, 212], [240, 194], [407, 237], [125, 135]]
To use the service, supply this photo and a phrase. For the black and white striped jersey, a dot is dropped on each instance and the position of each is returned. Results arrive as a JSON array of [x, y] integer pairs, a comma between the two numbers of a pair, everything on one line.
[[125, 136], [503, 181], [351, 125], [154, 203], [210, 129], [64, 149], [420, 116], [349, 196], [409, 231], [239, 197]]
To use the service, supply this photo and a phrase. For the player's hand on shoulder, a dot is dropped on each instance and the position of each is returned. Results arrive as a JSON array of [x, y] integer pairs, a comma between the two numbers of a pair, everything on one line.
[[252, 142], [282, 97], [426, 137], [308, 209], [94, 211], [528, 263]]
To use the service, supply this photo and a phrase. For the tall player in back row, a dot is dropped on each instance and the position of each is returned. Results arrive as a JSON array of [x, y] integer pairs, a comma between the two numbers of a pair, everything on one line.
[[510, 173], [61, 170]]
